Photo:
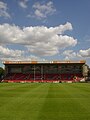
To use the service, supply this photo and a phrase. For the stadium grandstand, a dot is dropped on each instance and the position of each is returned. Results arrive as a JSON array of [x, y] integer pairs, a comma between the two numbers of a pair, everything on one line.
[[45, 71]]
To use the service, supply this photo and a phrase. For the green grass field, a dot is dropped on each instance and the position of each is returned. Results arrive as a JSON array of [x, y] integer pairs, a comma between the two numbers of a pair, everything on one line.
[[44, 101]]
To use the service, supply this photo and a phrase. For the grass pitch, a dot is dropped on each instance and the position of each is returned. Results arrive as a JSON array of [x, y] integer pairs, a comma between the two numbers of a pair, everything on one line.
[[44, 101]]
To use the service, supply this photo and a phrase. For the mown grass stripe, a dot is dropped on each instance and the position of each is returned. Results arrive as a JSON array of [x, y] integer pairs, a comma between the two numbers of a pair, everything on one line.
[[26, 106], [61, 103], [44, 101]]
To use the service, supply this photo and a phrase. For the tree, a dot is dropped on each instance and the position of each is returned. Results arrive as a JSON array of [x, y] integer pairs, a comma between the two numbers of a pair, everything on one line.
[[1, 72]]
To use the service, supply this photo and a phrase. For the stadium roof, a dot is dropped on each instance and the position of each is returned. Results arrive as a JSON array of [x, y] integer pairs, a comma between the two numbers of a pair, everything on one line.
[[42, 62]]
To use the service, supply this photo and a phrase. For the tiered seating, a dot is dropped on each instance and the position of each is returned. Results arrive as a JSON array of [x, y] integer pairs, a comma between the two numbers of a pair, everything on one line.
[[17, 77], [9, 76]]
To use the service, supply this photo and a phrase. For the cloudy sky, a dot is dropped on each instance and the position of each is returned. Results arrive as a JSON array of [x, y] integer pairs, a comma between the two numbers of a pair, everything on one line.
[[44, 30]]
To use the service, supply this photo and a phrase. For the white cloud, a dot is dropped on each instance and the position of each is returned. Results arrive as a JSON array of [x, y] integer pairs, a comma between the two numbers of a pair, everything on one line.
[[6, 52], [84, 53], [21, 58], [43, 50], [69, 54], [39, 40], [23, 3], [52, 47], [10, 54], [3, 10], [30, 58], [43, 10], [81, 54]]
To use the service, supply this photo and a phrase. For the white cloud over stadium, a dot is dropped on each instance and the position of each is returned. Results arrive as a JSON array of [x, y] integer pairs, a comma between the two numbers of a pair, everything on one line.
[[85, 53], [38, 40], [81, 54]]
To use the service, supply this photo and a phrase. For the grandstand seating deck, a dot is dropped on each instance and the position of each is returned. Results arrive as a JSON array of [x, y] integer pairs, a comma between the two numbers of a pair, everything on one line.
[[19, 77]]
